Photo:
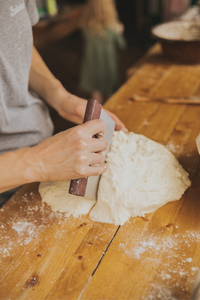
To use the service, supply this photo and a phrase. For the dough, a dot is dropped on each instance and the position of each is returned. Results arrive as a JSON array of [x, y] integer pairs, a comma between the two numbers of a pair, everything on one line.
[[56, 195], [142, 176]]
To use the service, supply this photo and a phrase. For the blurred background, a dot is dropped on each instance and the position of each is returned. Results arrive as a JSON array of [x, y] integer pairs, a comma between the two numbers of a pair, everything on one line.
[[60, 42]]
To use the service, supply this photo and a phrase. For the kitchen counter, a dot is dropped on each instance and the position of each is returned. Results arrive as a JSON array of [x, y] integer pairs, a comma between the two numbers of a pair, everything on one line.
[[47, 256]]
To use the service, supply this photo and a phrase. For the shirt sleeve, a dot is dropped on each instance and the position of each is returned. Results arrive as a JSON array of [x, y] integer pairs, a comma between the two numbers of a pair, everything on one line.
[[31, 8]]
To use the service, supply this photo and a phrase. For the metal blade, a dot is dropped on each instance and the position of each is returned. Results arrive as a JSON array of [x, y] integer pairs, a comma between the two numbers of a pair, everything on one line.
[[93, 181]]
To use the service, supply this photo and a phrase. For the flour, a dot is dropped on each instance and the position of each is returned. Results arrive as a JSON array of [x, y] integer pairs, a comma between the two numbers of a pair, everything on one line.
[[142, 176], [21, 226], [189, 259], [169, 256]]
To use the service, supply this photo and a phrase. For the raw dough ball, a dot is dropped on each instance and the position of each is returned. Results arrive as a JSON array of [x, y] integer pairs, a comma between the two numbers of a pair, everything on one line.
[[142, 176]]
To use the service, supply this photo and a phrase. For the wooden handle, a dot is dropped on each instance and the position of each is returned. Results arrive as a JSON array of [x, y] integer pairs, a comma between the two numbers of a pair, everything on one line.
[[92, 112]]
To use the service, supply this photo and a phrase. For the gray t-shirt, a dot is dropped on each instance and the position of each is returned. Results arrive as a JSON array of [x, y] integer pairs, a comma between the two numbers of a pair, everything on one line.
[[24, 118]]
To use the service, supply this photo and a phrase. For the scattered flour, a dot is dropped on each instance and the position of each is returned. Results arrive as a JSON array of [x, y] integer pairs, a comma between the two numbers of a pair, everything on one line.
[[21, 226], [170, 257]]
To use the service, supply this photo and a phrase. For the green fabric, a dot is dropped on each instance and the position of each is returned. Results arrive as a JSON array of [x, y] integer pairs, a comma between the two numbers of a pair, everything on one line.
[[99, 66]]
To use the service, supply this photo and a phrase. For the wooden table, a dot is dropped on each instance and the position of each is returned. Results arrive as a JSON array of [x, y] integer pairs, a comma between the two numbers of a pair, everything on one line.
[[47, 256]]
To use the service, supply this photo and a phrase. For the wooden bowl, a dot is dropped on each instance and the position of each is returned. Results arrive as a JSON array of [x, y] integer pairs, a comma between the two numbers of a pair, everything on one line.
[[180, 40]]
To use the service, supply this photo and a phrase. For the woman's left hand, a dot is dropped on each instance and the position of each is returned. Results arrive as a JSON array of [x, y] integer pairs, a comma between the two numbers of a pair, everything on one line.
[[50, 89], [72, 108]]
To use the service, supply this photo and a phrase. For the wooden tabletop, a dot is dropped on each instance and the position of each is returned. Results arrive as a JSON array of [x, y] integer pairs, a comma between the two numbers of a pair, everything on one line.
[[47, 256]]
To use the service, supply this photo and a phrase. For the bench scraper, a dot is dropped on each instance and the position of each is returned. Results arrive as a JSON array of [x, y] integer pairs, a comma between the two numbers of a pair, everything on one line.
[[88, 187]]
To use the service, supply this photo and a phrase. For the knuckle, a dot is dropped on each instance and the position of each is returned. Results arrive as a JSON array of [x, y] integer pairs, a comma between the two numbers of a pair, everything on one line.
[[78, 131], [81, 145], [82, 158], [81, 171], [101, 124]]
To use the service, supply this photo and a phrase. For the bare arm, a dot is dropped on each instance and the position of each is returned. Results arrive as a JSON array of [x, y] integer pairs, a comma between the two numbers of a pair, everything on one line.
[[67, 155], [43, 82], [69, 106], [15, 169]]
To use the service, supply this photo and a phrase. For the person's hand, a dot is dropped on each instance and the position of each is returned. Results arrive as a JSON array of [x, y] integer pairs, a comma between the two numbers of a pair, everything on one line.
[[70, 154], [69, 106], [50, 89], [72, 108]]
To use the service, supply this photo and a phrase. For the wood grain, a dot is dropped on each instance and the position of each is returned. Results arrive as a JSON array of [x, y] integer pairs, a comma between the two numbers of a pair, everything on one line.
[[50, 248], [148, 257], [47, 256]]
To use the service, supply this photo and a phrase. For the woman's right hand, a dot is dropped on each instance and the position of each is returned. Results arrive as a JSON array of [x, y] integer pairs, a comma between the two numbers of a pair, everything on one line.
[[70, 154]]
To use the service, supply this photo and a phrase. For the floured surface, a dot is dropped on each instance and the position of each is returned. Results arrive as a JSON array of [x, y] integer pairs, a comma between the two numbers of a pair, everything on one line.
[[84, 260], [142, 176], [39, 246], [174, 267]]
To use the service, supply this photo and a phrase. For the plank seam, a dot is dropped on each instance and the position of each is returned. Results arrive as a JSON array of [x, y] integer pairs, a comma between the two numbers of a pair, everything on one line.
[[83, 291], [104, 252], [102, 256], [106, 249]]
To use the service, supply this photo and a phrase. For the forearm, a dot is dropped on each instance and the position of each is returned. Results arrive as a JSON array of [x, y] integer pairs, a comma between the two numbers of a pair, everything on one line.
[[44, 83], [16, 169], [67, 155], [41, 80], [69, 106]]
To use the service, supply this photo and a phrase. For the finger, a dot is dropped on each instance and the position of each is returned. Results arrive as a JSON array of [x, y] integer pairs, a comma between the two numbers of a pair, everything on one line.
[[92, 171], [94, 127], [120, 126], [96, 145], [95, 159]]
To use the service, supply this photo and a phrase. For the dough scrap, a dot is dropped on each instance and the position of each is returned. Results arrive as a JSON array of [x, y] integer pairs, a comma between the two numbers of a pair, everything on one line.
[[142, 176]]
